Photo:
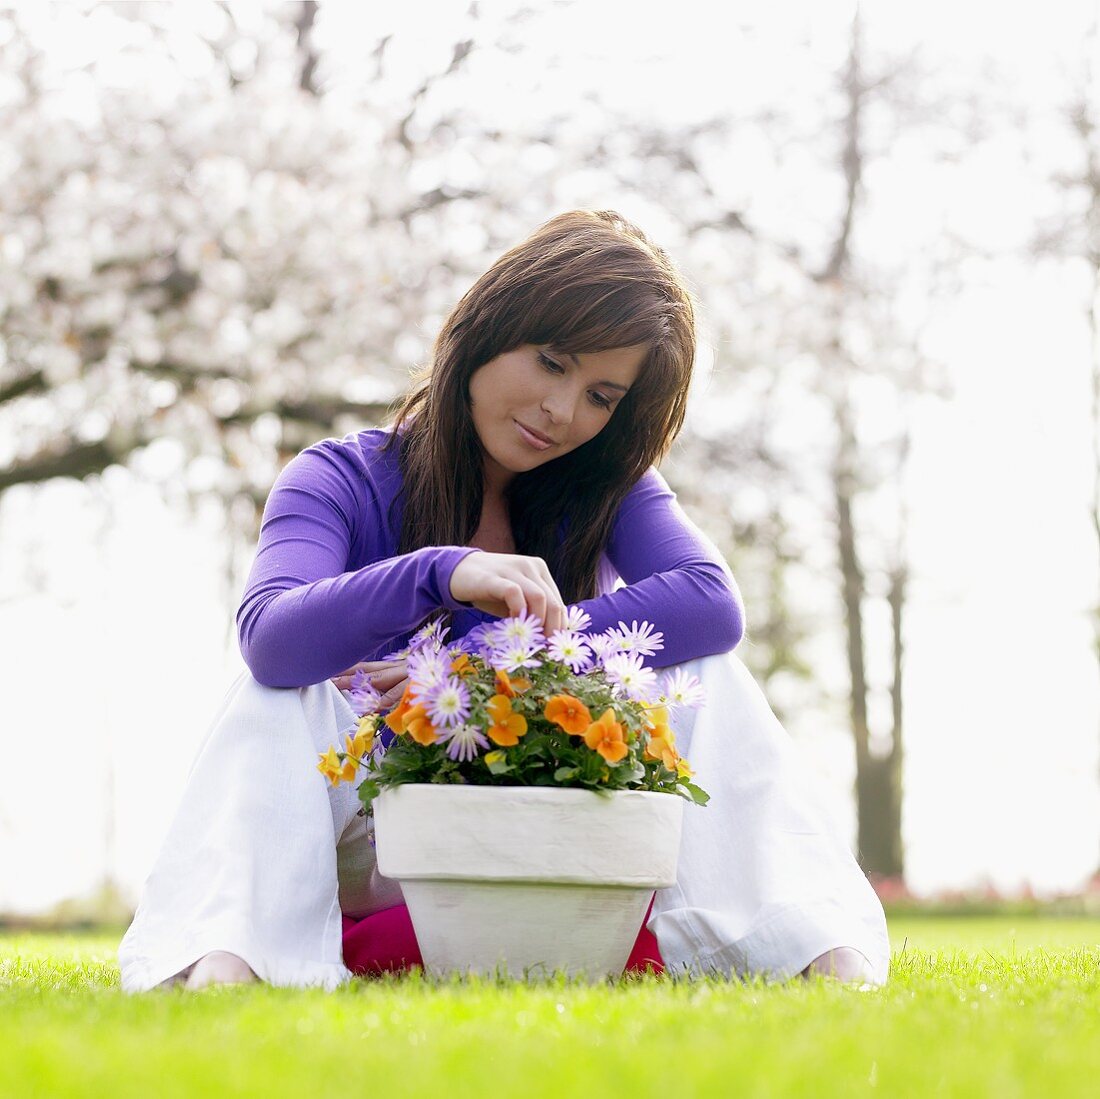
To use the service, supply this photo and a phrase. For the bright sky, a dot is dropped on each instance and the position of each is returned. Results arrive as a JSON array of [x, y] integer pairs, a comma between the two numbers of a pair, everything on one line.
[[117, 666]]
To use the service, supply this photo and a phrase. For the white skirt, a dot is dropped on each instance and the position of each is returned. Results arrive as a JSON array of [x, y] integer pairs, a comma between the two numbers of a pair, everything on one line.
[[263, 856]]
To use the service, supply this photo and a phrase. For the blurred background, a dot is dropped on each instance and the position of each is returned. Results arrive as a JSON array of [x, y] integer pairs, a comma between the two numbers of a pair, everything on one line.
[[230, 230]]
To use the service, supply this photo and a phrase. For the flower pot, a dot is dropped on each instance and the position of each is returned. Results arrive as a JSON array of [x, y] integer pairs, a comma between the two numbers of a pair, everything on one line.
[[526, 880]]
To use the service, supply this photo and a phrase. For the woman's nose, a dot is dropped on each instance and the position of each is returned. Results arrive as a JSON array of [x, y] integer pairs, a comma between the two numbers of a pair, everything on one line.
[[559, 407]]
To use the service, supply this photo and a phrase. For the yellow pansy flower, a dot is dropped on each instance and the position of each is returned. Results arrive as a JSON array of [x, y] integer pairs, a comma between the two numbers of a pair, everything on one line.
[[659, 748], [359, 745], [656, 715], [335, 770]]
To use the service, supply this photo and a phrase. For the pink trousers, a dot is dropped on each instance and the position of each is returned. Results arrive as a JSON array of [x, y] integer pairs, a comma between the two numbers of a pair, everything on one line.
[[385, 942]]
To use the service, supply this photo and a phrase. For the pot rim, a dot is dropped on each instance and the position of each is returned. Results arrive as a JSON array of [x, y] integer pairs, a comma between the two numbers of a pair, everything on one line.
[[528, 833], [534, 791]]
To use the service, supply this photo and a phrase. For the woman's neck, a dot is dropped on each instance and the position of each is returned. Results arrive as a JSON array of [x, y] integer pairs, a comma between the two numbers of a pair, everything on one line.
[[494, 529], [494, 505], [495, 484]]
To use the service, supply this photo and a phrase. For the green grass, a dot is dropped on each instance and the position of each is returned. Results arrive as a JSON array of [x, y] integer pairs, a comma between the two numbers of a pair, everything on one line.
[[996, 1007]]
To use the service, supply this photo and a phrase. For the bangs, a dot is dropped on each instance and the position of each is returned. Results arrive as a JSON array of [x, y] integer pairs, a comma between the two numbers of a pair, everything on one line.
[[625, 317]]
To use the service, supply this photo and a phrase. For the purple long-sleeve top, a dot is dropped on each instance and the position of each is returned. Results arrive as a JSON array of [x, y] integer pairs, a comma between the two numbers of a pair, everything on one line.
[[327, 587]]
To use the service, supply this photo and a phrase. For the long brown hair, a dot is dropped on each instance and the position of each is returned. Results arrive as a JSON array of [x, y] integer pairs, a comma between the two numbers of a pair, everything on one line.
[[584, 281]]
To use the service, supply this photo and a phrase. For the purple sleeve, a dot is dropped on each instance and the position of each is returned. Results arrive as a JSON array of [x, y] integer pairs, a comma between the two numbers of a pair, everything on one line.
[[303, 616], [675, 575]]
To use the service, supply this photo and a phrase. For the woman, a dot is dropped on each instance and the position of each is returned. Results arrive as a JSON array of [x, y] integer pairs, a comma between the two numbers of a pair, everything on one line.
[[518, 476]]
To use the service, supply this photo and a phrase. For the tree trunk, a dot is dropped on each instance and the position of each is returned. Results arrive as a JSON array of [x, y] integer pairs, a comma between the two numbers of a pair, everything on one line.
[[878, 778]]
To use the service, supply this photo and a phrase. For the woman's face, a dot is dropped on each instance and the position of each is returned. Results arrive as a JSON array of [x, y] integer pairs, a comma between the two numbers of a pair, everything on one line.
[[537, 391]]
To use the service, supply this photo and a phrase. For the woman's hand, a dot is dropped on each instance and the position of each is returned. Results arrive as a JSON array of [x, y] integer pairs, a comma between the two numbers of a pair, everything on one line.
[[506, 584], [388, 677]]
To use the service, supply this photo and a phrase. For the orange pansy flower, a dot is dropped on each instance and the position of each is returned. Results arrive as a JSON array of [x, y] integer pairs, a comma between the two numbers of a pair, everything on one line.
[[570, 713], [605, 736], [462, 665], [511, 686], [507, 727], [395, 719], [419, 726]]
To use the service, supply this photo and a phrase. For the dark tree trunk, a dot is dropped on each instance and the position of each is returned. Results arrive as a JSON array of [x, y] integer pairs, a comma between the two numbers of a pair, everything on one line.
[[303, 25], [878, 777]]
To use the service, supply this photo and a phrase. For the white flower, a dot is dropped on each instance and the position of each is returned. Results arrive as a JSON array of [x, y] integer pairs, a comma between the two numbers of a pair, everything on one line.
[[362, 696], [626, 672], [681, 688], [512, 657], [605, 645], [449, 703], [481, 639], [642, 639], [569, 648], [464, 741], [523, 629], [427, 668], [577, 619], [430, 635]]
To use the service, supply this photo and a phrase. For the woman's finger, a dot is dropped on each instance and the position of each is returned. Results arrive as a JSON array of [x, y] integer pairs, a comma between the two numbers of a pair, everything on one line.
[[542, 596], [380, 674], [510, 593], [555, 605], [370, 666], [393, 695], [536, 601]]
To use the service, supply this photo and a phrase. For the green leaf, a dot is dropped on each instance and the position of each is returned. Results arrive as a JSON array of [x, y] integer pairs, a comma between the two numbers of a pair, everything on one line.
[[563, 773], [699, 796], [368, 791]]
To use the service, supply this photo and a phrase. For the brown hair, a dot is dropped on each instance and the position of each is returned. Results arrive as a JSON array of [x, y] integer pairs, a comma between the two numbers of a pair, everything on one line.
[[584, 281]]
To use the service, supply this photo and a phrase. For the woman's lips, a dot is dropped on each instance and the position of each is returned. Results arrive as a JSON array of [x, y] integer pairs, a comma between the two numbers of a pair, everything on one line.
[[530, 438]]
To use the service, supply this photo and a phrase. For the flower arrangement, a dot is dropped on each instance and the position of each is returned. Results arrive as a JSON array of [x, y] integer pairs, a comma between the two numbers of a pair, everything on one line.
[[507, 706]]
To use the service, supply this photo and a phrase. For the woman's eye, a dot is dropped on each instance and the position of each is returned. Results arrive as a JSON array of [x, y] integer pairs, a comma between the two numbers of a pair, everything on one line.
[[556, 368]]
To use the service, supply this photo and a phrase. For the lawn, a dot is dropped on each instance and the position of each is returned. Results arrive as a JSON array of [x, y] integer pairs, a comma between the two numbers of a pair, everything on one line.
[[975, 1007]]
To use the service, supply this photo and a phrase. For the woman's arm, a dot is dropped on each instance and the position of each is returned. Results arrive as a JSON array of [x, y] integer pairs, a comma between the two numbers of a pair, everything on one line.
[[304, 616], [675, 575]]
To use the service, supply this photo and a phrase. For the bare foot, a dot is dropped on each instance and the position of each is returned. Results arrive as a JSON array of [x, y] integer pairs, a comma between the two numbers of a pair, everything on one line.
[[219, 967], [842, 962]]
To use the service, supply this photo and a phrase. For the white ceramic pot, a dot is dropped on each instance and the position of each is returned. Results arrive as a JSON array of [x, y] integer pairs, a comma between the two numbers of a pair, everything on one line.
[[525, 880]]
